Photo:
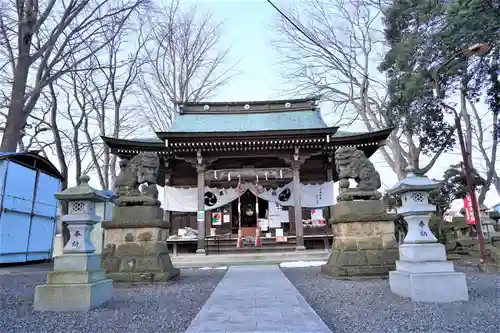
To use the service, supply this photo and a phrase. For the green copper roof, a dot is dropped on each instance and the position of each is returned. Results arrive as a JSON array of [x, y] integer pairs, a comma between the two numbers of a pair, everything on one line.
[[344, 133], [248, 122], [149, 138]]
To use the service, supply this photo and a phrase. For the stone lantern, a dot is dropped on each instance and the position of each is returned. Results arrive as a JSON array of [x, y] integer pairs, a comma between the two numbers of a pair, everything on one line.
[[423, 273], [77, 282], [487, 223]]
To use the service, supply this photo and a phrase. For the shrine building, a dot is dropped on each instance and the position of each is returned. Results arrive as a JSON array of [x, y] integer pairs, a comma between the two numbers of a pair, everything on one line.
[[238, 166]]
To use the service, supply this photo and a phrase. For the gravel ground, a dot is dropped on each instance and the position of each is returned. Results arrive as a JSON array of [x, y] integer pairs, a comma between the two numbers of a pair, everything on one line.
[[369, 306], [168, 307]]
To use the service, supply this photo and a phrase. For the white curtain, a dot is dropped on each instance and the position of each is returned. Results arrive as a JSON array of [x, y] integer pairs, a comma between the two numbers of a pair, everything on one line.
[[311, 196], [185, 199]]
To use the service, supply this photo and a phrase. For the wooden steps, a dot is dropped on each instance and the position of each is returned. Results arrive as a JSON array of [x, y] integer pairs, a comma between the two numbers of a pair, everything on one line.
[[225, 246]]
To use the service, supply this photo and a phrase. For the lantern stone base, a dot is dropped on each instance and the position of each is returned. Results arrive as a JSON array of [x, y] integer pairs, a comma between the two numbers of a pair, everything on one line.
[[364, 244], [424, 275], [137, 254], [76, 284], [58, 245]]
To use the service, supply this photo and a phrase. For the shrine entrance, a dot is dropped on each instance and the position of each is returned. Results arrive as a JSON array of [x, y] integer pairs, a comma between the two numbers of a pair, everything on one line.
[[250, 211], [281, 144]]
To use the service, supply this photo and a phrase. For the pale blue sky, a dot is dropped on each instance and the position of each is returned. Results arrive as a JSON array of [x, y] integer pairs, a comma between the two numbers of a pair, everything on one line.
[[247, 29]]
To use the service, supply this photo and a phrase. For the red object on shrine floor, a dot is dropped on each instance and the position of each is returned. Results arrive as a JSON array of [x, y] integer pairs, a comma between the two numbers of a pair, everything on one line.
[[239, 242]]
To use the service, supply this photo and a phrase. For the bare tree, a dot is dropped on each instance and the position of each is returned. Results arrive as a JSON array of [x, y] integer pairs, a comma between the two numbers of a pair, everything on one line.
[[487, 146], [62, 122], [80, 109], [347, 75], [37, 41], [61, 153], [112, 84], [185, 62], [35, 127], [87, 103]]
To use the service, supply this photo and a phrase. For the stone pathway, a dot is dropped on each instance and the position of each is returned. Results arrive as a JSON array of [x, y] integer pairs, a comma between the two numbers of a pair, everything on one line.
[[256, 299]]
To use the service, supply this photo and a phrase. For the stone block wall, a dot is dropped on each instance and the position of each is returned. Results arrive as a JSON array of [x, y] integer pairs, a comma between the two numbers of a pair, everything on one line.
[[362, 249], [364, 240], [137, 254]]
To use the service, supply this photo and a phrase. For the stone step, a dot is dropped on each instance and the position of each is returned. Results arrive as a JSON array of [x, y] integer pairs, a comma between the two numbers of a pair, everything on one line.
[[427, 266], [228, 259]]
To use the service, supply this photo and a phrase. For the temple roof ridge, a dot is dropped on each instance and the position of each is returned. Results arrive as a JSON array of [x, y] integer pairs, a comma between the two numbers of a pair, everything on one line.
[[255, 102], [250, 107]]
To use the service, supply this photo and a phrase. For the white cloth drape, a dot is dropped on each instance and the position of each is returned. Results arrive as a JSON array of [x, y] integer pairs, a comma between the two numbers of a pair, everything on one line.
[[311, 196], [185, 199]]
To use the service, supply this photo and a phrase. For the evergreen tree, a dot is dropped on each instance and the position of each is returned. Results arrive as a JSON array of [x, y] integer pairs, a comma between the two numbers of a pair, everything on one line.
[[412, 31], [427, 42]]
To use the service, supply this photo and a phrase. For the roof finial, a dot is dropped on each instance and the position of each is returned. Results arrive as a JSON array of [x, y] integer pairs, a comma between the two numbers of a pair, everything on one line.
[[410, 171], [84, 180]]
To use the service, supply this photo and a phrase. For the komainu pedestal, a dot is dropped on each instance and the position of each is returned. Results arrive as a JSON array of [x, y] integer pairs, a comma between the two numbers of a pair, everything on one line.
[[364, 242], [136, 249]]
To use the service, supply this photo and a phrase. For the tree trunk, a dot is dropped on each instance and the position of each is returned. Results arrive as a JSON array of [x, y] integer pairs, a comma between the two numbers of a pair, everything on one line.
[[112, 170], [16, 118], [496, 182], [468, 126], [105, 167], [78, 160]]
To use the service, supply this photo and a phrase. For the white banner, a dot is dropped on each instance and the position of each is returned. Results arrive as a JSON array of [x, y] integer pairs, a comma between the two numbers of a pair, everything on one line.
[[185, 199]]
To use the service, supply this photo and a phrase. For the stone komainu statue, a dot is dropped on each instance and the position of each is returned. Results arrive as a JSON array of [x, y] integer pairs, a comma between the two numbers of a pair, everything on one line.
[[352, 163], [136, 183]]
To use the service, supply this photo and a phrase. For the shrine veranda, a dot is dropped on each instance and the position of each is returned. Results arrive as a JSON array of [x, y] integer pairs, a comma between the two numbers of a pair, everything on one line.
[[244, 150]]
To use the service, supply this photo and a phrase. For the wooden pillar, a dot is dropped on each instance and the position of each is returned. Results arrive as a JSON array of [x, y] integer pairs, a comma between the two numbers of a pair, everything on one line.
[[297, 206], [200, 216]]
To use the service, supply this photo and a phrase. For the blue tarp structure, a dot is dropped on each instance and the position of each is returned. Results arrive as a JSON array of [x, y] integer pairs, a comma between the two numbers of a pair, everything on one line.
[[28, 207]]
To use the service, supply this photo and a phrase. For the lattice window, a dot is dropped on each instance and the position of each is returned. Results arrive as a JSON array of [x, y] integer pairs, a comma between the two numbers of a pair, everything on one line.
[[418, 196], [77, 207], [82, 207]]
